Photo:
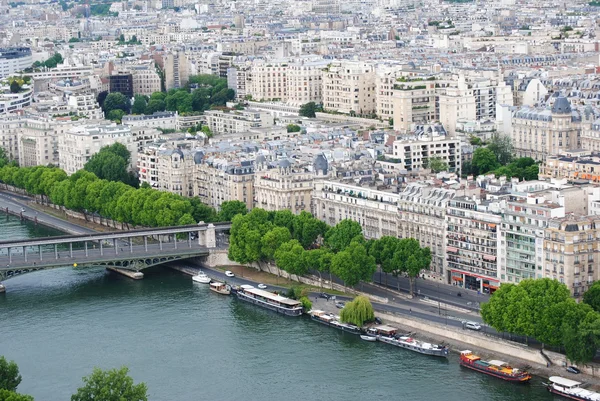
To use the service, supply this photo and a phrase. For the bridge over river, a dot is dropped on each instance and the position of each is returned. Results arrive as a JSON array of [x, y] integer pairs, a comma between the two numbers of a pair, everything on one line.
[[131, 251]]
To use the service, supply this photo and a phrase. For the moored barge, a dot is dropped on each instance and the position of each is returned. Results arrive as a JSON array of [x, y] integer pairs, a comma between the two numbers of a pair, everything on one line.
[[332, 320], [268, 300], [571, 389], [494, 368], [389, 335]]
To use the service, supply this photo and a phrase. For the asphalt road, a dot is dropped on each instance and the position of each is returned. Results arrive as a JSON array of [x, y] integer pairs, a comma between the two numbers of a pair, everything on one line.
[[15, 202]]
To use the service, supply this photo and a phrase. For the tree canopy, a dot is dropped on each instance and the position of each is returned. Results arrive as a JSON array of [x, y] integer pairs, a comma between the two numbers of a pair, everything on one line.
[[358, 311], [110, 385], [116, 101], [544, 310], [9, 375], [353, 264], [339, 237], [7, 395], [310, 109], [112, 163], [592, 296], [229, 209]]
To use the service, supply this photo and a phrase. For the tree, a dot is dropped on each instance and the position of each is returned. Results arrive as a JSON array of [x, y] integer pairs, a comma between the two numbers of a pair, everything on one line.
[[358, 311], [110, 385], [339, 237], [306, 304], [116, 115], [245, 244], [309, 110], [229, 209], [139, 105], [353, 264], [293, 128], [3, 158], [592, 296], [114, 101], [306, 229], [154, 105], [112, 163], [6, 395], [383, 250], [289, 257], [9, 375], [437, 164], [15, 87], [484, 161], [410, 258], [501, 146], [273, 239]]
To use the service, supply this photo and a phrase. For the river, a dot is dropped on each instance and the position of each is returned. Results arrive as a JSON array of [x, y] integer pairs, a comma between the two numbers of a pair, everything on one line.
[[188, 343]]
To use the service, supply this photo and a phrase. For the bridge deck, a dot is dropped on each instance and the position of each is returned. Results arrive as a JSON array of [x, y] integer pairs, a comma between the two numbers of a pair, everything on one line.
[[65, 239]]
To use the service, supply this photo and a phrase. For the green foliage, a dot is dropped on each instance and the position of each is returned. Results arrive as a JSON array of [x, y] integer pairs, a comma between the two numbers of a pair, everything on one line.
[[9, 375], [289, 257], [51, 62], [229, 209], [110, 385], [247, 231], [296, 292], [3, 158], [139, 105], [114, 101], [592, 296], [543, 309], [111, 199], [310, 109], [102, 9], [293, 128], [7, 395], [358, 311], [524, 168], [154, 105], [306, 304], [353, 264], [273, 239], [484, 161], [116, 115], [339, 237], [112, 163], [74, 40], [306, 229], [436, 164], [15, 87], [501, 146]]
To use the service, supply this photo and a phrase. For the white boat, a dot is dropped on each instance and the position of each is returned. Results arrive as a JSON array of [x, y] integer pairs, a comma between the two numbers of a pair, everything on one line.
[[201, 278], [368, 338], [220, 288], [571, 389]]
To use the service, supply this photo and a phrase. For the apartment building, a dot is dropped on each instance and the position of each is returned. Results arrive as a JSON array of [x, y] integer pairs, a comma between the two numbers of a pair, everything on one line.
[[85, 105], [38, 141], [305, 82], [422, 215], [145, 79], [412, 152], [282, 185], [349, 87], [521, 246], [236, 121], [147, 164], [176, 70], [158, 119], [267, 81], [472, 243], [77, 145], [414, 101], [571, 246], [11, 102], [374, 209], [122, 82], [576, 165], [540, 132], [217, 180], [384, 89], [175, 171]]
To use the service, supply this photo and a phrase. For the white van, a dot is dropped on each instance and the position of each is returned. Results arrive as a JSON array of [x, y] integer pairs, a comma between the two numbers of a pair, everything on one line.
[[472, 326]]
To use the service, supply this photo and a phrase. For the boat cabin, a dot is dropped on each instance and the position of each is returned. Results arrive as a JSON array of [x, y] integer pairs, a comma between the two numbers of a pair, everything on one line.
[[564, 383], [468, 355], [383, 330]]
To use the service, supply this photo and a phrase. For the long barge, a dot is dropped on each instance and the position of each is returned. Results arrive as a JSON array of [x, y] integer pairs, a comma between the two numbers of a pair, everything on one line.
[[268, 300], [389, 335], [570, 389], [331, 320], [493, 368]]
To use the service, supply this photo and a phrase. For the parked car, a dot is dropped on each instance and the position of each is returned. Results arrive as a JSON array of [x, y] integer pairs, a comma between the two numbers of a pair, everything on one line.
[[378, 320], [229, 274], [472, 326], [459, 295], [340, 304], [262, 286], [573, 369], [22, 210], [324, 295]]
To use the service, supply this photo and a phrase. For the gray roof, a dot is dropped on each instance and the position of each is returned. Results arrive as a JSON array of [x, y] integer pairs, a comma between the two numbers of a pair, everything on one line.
[[561, 106], [320, 163]]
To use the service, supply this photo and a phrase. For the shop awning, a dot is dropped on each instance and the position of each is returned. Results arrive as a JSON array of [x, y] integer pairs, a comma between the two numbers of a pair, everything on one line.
[[455, 278], [451, 249]]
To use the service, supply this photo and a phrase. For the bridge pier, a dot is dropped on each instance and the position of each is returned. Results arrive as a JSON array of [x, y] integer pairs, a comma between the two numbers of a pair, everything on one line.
[[211, 238], [9, 256], [25, 253], [55, 251], [71, 250], [2, 288], [101, 250], [85, 246], [128, 273], [40, 250], [145, 243]]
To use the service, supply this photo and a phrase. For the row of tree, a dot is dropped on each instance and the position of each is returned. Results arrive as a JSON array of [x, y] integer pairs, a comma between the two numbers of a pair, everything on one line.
[[202, 93], [109, 385], [543, 309], [84, 191], [52, 62], [302, 243]]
